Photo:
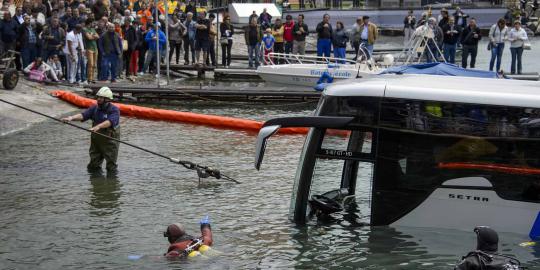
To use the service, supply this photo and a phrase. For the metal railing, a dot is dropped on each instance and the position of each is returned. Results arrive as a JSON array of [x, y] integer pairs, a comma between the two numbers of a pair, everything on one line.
[[273, 57]]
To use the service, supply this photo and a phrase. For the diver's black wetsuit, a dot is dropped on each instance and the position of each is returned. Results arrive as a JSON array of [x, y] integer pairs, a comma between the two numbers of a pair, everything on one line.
[[485, 256]]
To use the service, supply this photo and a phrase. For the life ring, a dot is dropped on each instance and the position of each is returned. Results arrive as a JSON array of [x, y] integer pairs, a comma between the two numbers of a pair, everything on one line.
[[325, 78]]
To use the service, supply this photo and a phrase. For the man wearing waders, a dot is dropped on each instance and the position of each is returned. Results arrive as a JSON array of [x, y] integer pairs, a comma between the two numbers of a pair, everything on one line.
[[105, 120]]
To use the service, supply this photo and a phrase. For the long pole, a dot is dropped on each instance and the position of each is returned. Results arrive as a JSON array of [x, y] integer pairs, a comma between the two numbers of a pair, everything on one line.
[[217, 39], [167, 49], [187, 164], [158, 60]]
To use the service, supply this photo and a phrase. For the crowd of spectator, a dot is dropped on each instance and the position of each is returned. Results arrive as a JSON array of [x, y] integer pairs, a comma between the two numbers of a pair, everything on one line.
[[82, 41], [450, 31]]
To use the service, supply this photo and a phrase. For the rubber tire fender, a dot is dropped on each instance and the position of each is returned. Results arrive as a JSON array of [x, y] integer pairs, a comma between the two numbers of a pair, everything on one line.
[[10, 79]]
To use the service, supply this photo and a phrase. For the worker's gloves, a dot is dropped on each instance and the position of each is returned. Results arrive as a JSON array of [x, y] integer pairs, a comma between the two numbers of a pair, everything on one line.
[[205, 220]]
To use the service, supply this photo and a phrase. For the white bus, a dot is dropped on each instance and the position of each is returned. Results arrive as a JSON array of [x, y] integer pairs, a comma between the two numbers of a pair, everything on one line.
[[421, 151]]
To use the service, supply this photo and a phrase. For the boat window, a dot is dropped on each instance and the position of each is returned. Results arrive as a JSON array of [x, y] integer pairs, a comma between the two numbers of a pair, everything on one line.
[[364, 109], [411, 165], [460, 118], [343, 172]]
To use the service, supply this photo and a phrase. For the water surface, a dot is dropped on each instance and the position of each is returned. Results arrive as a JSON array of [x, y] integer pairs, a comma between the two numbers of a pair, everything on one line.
[[54, 215]]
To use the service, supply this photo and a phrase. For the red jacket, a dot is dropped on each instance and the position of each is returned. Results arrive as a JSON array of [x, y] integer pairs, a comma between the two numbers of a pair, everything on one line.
[[288, 32], [178, 248]]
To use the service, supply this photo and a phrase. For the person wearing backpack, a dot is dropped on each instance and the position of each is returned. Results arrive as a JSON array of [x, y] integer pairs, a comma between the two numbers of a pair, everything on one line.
[[485, 256]]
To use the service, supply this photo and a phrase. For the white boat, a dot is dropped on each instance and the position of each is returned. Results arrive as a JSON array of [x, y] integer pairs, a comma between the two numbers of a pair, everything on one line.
[[302, 70]]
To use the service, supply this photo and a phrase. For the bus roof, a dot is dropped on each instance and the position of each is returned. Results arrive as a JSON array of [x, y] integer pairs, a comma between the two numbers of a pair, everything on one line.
[[516, 93]]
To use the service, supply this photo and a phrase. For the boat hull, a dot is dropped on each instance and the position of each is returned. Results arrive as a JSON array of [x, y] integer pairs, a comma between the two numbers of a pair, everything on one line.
[[306, 75]]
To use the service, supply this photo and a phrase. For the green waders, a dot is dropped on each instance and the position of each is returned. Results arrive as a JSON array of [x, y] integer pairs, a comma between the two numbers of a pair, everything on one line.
[[102, 148]]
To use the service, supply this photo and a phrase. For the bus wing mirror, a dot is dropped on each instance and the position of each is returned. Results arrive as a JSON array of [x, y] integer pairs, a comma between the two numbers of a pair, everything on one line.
[[264, 134]]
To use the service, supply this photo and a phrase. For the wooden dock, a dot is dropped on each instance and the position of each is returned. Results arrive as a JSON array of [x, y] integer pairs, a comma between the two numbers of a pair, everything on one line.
[[136, 93], [219, 72]]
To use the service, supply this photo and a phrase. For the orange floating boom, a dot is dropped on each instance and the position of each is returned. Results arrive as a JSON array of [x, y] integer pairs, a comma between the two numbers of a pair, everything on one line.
[[176, 116], [490, 167]]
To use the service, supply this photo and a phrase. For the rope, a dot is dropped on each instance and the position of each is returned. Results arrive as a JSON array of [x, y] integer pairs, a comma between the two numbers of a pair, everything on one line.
[[202, 171]]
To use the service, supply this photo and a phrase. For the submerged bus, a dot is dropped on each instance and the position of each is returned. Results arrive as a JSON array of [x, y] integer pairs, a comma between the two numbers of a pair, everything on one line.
[[421, 151]]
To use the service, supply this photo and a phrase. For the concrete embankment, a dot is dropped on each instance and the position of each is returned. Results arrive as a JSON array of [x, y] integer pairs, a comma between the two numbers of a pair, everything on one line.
[[34, 96]]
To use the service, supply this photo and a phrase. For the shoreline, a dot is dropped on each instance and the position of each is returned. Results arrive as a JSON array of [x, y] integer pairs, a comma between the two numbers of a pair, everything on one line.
[[35, 96]]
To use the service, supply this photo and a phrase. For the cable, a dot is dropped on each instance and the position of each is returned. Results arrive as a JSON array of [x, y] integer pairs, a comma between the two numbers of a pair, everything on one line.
[[202, 171]]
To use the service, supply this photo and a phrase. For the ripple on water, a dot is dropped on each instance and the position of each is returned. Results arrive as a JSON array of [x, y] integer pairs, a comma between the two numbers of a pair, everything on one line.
[[58, 216]]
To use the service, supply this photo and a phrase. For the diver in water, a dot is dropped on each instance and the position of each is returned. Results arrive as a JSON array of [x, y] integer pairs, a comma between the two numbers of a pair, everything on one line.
[[485, 256], [185, 245]]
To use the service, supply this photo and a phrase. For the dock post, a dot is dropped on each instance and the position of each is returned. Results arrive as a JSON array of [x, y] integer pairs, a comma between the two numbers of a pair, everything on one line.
[[200, 71]]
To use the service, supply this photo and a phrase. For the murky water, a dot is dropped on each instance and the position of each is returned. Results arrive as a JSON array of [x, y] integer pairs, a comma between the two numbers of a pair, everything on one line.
[[54, 215]]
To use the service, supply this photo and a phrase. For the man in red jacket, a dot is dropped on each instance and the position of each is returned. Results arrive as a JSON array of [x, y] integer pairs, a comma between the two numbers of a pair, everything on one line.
[[288, 35], [181, 243]]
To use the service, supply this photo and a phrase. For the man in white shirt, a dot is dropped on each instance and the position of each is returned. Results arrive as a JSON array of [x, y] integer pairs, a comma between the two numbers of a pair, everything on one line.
[[81, 65], [72, 53]]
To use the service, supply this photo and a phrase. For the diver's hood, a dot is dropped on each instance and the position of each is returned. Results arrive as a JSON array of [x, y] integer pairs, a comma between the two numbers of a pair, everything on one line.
[[487, 239]]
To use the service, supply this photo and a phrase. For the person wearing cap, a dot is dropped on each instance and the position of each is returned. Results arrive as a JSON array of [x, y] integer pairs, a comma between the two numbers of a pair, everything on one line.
[[105, 118], [183, 244], [517, 37], [485, 256], [368, 34]]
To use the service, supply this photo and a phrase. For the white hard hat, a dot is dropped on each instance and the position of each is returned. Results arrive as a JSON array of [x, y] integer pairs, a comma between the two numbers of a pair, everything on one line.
[[105, 92]]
